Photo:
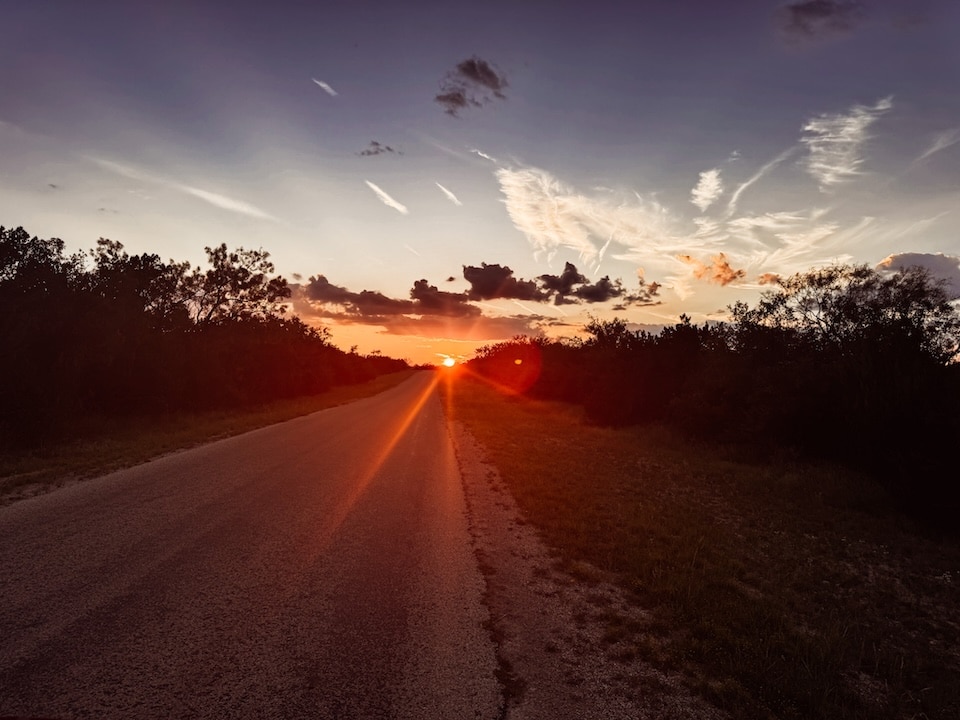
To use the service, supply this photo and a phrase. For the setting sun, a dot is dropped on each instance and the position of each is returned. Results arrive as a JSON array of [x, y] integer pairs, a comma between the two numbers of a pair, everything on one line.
[[449, 362]]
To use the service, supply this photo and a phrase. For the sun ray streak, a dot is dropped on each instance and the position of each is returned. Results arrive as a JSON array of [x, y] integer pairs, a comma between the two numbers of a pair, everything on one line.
[[341, 511]]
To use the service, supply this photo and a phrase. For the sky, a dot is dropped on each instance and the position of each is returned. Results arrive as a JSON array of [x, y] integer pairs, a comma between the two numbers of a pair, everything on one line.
[[435, 176]]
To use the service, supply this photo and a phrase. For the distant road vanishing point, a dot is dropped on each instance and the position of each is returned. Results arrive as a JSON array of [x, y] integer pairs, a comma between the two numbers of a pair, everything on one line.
[[319, 568]]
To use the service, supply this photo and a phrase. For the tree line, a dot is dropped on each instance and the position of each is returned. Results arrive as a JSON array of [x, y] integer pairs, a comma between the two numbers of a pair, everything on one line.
[[844, 364], [103, 333]]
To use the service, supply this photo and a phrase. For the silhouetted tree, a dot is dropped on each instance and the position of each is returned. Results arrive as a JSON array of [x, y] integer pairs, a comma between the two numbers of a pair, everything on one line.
[[844, 309], [141, 284], [236, 286], [843, 363], [108, 334]]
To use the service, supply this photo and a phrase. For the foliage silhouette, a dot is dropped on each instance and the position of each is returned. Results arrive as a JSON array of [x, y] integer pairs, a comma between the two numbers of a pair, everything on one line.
[[108, 334], [843, 363]]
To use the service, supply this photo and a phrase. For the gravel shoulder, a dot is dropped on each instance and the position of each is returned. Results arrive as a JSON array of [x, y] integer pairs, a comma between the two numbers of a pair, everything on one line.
[[558, 657]]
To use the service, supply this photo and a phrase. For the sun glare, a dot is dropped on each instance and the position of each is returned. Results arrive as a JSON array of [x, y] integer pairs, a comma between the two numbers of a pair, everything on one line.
[[449, 362]]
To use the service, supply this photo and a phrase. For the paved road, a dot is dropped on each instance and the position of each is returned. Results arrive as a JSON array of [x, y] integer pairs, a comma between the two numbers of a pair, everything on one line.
[[318, 568]]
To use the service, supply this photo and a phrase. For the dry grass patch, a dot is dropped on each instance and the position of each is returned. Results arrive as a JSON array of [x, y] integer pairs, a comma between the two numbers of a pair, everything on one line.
[[111, 444], [779, 589]]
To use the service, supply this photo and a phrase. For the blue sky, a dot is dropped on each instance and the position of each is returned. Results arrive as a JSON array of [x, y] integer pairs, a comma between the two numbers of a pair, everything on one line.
[[691, 151]]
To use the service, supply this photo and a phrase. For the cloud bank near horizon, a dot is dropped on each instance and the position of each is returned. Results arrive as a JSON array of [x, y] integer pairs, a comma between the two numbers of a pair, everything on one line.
[[427, 304]]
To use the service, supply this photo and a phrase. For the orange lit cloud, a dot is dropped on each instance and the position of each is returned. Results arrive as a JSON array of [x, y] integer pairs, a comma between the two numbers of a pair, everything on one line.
[[719, 270]]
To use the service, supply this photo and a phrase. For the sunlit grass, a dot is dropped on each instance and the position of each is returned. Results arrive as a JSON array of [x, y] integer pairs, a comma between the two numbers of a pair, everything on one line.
[[109, 445], [778, 589]]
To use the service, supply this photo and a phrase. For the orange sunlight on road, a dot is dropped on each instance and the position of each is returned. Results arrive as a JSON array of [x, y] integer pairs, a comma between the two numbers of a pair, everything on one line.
[[362, 482]]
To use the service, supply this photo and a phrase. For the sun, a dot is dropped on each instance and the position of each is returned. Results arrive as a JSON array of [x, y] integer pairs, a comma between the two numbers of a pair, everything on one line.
[[449, 362]]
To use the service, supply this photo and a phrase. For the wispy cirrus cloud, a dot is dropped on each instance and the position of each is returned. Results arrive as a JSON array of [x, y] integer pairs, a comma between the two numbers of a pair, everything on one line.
[[325, 87], [735, 198], [753, 229], [942, 141], [835, 142], [386, 199], [226, 203], [223, 202], [548, 212], [804, 245], [484, 155], [450, 196], [785, 242], [709, 188], [553, 215]]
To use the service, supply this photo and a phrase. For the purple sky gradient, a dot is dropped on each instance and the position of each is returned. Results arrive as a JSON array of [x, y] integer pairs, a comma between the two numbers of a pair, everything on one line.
[[627, 140]]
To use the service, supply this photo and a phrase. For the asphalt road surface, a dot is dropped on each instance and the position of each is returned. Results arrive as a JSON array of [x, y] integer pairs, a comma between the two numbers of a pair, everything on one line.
[[319, 568]]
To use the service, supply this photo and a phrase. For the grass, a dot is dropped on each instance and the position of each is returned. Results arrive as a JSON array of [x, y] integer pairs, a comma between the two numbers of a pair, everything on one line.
[[777, 589], [106, 445]]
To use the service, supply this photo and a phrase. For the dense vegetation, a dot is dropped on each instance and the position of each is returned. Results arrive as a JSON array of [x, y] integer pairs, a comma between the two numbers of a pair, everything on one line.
[[844, 364], [108, 334]]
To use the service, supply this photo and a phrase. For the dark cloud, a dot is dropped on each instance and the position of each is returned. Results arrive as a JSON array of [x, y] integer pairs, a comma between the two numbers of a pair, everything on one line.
[[481, 73], [561, 286], [812, 18], [942, 268], [571, 287], [601, 291], [427, 305], [473, 83], [367, 303], [376, 148], [430, 312], [644, 296], [431, 301], [374, 307], [489, 282], [320, 289], [453, 101]]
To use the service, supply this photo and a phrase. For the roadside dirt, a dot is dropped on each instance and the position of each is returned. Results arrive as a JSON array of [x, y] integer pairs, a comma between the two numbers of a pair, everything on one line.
[[558, 652]]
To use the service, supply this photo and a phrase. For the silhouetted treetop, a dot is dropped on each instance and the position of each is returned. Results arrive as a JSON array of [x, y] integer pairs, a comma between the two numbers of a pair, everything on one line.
[[237, 286], [141, 284], [31, 263], [844, 308]]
